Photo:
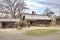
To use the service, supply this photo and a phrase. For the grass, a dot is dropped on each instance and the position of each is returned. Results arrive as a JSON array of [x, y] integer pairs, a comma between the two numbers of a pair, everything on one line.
[[54, 26], [40, 32]]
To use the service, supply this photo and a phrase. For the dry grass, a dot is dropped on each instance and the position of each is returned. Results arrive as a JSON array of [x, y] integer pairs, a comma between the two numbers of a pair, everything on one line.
[[40, 32]]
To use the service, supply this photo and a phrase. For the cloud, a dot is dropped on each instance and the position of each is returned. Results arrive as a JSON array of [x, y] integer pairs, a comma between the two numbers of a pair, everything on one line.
[[54, 1], [33, 3], [48, 3], [40, 5], [56, 11], [35, 6]]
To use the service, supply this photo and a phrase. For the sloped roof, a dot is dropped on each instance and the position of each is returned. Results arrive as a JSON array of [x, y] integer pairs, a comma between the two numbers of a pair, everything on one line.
[[9, 19], [37, 17], [58, 17]]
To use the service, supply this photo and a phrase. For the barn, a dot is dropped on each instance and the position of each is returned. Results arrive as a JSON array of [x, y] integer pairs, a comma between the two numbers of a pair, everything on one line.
[[8, 22], [37, 20]]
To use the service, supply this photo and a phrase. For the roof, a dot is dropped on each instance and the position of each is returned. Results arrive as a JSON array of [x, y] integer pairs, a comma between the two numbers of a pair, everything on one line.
[[37, 17], [58, 17], [9, 19]]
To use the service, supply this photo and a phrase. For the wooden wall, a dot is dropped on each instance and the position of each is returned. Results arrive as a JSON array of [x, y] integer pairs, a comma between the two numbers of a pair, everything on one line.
[[10, 24], [57, 21], [7, 24], [41, 23]]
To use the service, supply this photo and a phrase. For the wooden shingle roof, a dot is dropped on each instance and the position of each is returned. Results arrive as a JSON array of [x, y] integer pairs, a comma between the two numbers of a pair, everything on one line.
[[37, 17], [9, 19]]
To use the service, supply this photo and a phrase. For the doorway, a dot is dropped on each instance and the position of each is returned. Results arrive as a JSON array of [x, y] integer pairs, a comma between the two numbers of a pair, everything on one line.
[[31, 22], [3, 24]]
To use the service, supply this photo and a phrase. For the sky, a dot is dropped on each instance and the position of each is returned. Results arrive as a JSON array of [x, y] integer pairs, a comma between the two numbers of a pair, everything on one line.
[[40, 5]]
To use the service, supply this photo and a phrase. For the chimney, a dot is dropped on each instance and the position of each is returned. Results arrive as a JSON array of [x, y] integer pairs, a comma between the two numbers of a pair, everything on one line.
[[33, 13]]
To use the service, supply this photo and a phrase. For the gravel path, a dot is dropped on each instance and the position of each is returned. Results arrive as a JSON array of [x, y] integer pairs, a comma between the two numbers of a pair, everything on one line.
[[13, 34]]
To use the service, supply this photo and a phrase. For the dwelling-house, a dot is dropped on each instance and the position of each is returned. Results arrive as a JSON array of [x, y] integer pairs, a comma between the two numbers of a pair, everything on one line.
[[37, 20], [8, 22]]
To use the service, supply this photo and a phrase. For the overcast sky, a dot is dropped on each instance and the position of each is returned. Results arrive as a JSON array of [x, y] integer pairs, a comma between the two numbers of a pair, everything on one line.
[[40, 5]]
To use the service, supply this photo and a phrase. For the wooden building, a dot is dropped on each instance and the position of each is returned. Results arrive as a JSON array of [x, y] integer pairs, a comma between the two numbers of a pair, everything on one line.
[[8, 22], [37, 20], [58, 21]]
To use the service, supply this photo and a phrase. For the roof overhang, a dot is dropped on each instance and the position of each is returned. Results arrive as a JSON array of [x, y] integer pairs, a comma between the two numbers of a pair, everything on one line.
[[37, 17], [9, 19]]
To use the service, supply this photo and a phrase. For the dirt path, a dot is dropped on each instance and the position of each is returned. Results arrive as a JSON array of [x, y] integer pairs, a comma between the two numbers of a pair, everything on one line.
[[13, 34]]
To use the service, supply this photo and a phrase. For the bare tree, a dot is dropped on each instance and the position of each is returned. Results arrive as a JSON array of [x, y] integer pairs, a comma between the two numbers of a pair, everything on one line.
[[48, 12], [12, 7]]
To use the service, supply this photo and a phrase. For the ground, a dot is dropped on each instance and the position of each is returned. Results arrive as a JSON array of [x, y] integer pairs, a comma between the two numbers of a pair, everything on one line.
[[40, 32], [14, 34]]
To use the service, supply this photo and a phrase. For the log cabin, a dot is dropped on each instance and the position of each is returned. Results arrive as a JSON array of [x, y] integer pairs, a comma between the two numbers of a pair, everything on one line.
[[37, 20], [8, 22]]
